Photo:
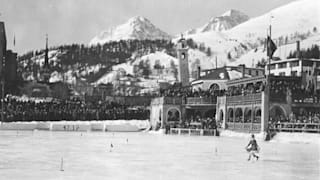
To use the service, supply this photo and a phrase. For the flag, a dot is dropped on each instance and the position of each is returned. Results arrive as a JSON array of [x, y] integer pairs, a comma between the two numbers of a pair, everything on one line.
[[14, 40], [271, 47]]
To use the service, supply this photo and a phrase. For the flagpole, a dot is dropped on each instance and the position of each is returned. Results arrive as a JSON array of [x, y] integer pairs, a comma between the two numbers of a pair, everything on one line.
[[269, 50]]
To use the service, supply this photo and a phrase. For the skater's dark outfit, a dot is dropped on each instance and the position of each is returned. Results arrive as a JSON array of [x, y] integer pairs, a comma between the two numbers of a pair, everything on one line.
[[253, 148]]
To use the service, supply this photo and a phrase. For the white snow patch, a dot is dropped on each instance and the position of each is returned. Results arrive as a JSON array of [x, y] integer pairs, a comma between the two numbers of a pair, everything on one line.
[[297, 16], [296, 138]]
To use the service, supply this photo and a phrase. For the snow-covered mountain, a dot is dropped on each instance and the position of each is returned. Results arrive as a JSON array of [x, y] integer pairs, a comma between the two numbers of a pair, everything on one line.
[[298, 16], [135, 28], [255, 55], [290, 20], [223, 22]]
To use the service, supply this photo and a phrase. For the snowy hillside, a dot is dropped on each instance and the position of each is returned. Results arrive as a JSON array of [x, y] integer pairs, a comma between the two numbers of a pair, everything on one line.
[[224, 22], [166, 63], [230, 46], [282, 52], [221, 45], [135, 28], [297, 16]]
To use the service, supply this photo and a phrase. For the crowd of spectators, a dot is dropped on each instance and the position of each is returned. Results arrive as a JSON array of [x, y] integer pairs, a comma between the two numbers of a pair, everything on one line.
[[245, 89], [196, 123], [189, 92], [279, 89], [54, 110]]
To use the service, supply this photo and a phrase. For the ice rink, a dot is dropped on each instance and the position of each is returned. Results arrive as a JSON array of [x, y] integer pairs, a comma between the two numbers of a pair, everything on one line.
[[37, 155]]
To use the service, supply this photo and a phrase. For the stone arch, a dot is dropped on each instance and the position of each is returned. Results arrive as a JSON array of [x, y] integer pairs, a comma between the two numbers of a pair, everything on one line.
[[238, 115], [173, 114], [221, 115], [210, 113], [277, 113], [257, 115], [230, 115], [198, 115], [214, 86], [247, 115]]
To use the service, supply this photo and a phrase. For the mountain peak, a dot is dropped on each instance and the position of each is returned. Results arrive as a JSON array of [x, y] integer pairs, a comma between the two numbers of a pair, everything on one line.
[[139, 19], [137, 27], [226, 21], [233, 12]]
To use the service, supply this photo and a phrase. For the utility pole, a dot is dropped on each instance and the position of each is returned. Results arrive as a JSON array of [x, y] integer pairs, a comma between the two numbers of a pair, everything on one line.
[[216, 63], [2, 98]]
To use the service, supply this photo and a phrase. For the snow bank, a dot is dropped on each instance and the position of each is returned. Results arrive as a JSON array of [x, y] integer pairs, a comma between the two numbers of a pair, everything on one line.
[[71, 126], [160, 131], [296, 138], [108, 125], [228, 133], [279, 137], [19, 126]]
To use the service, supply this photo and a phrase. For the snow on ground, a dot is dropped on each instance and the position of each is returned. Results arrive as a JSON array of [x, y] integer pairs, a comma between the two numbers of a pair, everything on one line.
[[39, 154], [282, 137], [128, 68], [297, 138], [52, 57], [55, 77], [135, 28], [107, 78], [86, 70], [205, 61], [254, 56], [297, 16], [220, 45], [159, 56]]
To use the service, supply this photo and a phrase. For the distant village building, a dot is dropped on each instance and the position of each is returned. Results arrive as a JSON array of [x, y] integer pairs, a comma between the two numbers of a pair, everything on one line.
[[10, 71], [8, 64], [216, 79], [308, 69]]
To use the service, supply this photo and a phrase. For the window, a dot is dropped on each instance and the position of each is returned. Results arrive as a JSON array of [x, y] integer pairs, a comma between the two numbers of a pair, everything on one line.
[[183, 56], [249, 72], [282, 73], [307, 63], [282, 65], [294, 73], [294, 63], [272, 66], [257, 72]]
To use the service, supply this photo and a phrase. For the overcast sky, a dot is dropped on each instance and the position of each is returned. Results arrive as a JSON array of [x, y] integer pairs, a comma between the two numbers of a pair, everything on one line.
[[78, 21]]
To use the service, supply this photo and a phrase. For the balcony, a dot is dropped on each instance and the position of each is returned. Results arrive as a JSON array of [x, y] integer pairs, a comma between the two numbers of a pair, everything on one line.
[[166, 100], [246, 98], [245, 127], [201, 100], [172, 100]]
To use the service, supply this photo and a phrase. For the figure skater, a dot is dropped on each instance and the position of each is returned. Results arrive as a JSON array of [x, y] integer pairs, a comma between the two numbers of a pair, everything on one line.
[[253, 148]]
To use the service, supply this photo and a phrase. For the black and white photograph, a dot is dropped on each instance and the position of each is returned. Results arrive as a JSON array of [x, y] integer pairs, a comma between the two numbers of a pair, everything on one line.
[[159, 89]]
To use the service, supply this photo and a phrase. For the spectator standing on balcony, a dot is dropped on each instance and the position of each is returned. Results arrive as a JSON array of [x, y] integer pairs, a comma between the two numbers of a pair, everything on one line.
[[253, 148]]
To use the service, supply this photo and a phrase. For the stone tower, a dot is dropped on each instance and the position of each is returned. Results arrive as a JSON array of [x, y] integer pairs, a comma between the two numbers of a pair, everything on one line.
[[182, 51]]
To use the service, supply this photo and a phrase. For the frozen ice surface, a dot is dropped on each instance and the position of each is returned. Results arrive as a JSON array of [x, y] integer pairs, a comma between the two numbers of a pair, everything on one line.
[[88, 155]]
